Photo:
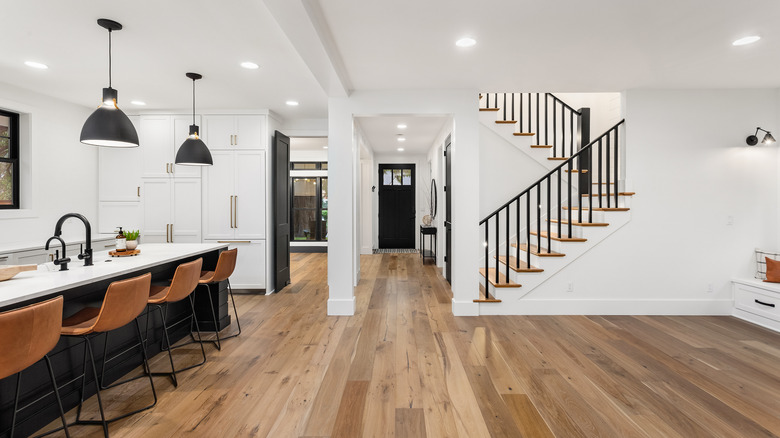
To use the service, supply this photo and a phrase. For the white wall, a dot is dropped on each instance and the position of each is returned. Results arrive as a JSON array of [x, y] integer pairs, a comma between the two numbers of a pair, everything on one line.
[[58, 172], [687, 160], [605, 109], [309, 155]]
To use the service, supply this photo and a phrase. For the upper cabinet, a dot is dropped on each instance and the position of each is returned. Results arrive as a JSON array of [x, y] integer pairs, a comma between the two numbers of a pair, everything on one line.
[[160, 138], [119, 172], [235, 131]]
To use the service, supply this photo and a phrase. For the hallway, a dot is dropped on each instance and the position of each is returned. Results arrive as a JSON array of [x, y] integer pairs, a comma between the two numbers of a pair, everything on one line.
[[404, 366]]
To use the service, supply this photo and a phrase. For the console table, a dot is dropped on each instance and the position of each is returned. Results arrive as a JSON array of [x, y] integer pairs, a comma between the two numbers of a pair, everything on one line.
[[431, 233]]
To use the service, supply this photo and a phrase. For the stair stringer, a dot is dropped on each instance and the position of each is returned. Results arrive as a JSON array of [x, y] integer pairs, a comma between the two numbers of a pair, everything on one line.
[[512, 298]]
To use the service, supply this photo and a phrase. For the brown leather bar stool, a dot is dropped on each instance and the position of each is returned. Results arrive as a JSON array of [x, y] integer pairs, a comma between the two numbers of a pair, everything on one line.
[[27, 335], [185, 279], [226, 264], [123, 303]]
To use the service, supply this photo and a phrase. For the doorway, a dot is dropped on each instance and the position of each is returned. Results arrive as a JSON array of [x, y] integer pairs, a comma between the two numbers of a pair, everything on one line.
[[396, 205], [448, 210]]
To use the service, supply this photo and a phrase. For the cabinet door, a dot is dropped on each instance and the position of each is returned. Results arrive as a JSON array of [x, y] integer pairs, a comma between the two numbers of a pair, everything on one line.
[[181, 130], [251, 132], [7, 259], [218, 195], [119, 174], [220, 131], [112, 215], [39, 256], [249, 220], [250, 265], [156, 151], [157, 210], [186, 210]]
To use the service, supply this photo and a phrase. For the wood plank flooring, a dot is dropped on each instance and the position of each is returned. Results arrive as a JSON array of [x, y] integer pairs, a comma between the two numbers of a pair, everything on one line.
[[403, 366]]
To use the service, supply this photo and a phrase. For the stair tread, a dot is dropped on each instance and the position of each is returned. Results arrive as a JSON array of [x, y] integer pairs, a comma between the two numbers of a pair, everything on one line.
[[600, 208], [546, 146], [554, 236], [558, 158], [577, 170], [489, 109], [513, 262], [535, 251], [612, 194], [525, 134], [502, 280], [506, 121], [581, 224], [489, 299]]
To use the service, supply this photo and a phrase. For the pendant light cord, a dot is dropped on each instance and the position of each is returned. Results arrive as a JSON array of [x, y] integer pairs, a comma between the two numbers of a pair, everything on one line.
[[109, 58], [193, 101]]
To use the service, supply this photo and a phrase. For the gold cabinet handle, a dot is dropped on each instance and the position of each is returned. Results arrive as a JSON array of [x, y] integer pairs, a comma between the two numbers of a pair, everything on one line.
[[235, 212], [167, 234], [231, 210], [51, 257], [171, 233], [110, 245], [236, 139], [138, 190]]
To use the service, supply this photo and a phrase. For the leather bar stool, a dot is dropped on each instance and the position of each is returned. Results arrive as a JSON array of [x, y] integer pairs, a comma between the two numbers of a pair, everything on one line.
[[185, 279], [27, 335], [123, 303], [225, 266]]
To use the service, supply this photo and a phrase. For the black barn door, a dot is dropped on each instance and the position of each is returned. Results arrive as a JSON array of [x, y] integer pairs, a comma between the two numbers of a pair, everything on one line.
[[396, 206], [448, 211], [281, 206]]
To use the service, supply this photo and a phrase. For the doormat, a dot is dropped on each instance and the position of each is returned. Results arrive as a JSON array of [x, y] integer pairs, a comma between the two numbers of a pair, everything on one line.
[[394, 250]]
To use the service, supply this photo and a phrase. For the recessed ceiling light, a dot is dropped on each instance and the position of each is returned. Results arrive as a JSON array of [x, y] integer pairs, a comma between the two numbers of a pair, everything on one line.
[[292, 102], [400, 149], [138, 102], [324, 147], [401, 126], [250, 65], [465, 42], [746, 40], [401, 139], [37, 65]]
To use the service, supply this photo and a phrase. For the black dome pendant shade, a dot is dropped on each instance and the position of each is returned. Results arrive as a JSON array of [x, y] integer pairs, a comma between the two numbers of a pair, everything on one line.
[[193, 152], [108, 126]]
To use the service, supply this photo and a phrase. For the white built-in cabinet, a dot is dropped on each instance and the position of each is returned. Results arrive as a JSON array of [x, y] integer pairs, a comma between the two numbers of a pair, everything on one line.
[[143, 189]]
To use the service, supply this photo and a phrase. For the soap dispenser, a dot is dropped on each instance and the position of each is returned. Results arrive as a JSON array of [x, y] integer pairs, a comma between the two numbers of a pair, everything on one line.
[[121, 241]]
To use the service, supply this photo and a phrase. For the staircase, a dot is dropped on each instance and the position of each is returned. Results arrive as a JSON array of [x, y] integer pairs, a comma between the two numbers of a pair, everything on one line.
[[578, 203]]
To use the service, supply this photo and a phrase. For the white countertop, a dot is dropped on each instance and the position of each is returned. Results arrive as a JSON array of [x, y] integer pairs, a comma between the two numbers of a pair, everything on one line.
[[48, 279]]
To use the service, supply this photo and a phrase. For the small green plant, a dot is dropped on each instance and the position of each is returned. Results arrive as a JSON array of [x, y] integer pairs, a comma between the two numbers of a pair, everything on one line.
[[132, 235]]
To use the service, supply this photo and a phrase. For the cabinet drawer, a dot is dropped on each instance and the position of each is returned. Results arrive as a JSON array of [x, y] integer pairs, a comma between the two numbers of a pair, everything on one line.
[[757, 301]]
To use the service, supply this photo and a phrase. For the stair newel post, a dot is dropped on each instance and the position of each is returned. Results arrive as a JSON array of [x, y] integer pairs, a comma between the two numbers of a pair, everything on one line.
[[527, 229], [538, 218], [498, 245], [600, 173], [568, 183], [549, 228], [517, 235], [617, 180], [583, 139], [559, 203], [506, 245], [609, 179], [487, 259]]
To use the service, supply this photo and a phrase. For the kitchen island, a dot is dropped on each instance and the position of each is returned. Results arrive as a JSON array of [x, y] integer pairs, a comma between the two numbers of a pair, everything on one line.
[[85, 286]]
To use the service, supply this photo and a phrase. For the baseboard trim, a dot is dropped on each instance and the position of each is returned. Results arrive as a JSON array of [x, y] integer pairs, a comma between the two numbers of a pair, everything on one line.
[[341, 307], [608, 307], [465, 308]]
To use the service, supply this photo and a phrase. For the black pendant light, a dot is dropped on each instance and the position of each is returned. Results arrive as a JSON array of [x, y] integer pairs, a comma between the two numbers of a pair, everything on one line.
[[108, 125], [193, 152]]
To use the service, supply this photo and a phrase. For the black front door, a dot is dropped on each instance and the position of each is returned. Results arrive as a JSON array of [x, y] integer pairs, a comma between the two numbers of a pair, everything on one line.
[[281, 205], [448, 211], [396, 206]]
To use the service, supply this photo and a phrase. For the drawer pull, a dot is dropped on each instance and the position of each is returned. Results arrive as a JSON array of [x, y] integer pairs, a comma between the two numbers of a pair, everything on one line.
[[110, 245], [764, 304]]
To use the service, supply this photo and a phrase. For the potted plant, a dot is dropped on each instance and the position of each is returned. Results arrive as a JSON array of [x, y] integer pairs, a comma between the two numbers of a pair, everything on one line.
[[132, 239]]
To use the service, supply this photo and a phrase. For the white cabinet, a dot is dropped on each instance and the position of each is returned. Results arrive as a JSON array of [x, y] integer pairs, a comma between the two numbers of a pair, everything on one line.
[[160, 137], [119, 174], [171, 212], [235, 131], [7, 259], [250, 264], [234, 196], [112, 215]]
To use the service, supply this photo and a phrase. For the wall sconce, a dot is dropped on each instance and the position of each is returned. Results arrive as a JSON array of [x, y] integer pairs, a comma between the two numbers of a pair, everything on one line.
[[753, 139]]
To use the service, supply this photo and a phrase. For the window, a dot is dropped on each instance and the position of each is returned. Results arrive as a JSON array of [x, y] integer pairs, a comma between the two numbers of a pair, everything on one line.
[[309, 208], [9, 160], [309, 166], [397, 177]]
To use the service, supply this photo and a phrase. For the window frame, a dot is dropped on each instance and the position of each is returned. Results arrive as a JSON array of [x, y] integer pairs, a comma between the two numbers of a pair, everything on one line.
[[13, 158], [318, 209], [318, 165]]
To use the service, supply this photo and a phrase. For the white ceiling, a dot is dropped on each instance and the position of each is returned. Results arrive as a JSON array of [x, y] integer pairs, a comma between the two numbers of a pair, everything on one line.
[[308, 143], [563, 46], [382, 132], [160, 42]]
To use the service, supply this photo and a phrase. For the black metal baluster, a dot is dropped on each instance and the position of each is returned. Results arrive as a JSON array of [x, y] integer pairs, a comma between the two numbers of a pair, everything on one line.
[[487, 259], [527, 228], [538, 217], [559, 203], [538, 134], [609, 198], [513, 106], [600, 173], [546, 110], [571, 137], [590, 186], [549, 231], [568, 183], [504, 106], [617, 162], [555, 131], [579, 201], [520, 113], [563, 131], [498, 247], [507, 245], [530, 128], [517, 235]]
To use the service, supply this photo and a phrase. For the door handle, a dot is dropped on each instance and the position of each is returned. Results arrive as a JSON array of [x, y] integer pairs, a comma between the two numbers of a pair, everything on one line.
[[231, 210], [235, 212]]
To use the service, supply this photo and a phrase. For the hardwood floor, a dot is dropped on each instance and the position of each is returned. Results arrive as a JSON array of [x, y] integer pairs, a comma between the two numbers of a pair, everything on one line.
[[404, 366]]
